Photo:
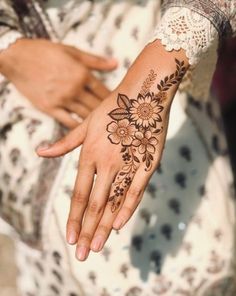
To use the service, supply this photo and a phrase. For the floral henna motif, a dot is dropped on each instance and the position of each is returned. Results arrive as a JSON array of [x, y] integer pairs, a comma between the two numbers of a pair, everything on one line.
[[145, 111], [136, 125]]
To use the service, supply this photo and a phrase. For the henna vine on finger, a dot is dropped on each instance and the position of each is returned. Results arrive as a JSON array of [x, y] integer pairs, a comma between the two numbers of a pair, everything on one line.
[[136, 125]]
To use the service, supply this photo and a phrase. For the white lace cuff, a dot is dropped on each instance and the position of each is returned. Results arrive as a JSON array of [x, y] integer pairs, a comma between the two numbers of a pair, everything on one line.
[[8, 37], [183, 28]]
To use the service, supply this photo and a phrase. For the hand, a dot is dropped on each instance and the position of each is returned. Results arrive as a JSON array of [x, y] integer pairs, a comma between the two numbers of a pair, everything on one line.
[[129, 130], [56, 78]]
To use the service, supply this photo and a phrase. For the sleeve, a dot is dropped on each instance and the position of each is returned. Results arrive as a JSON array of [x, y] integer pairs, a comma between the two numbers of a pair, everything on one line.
[[219, 12], [10, 29], [198, 27], [186, 29]]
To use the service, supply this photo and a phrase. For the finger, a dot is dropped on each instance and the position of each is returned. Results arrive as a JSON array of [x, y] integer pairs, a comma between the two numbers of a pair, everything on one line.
[[80, 109], [94, 213], [115, 201], [95, 86], [89, 100], [65, 118], [71, 141], [133, 197], [92, 61], [82, 190]]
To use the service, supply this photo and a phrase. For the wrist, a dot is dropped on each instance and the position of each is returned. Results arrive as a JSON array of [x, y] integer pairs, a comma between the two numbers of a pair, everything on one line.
[[155, 70], [161, 58]]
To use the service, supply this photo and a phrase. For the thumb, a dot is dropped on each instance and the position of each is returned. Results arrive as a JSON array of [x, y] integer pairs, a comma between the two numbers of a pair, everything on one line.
[[94, 62], [66, 144]]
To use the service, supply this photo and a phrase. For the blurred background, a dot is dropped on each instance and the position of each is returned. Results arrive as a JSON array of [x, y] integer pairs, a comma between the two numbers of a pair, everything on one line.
[[223, 87]]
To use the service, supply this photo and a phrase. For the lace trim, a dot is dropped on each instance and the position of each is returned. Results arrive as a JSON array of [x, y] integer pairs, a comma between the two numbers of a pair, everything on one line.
[[9, 38], [182, 28], [186, 29], [214, 10]]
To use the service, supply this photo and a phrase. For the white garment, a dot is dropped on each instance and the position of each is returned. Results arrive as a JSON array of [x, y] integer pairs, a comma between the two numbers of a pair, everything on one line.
[[180, 240]]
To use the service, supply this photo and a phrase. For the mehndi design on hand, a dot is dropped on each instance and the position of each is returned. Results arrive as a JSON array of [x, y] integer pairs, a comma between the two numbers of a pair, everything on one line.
[[136, 125]]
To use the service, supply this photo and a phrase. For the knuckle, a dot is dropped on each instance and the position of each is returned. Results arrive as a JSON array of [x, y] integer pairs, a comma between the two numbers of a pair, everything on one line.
[[134, 193], [103, 230], [127, 212], [46, 106], [113, 165], [94, 208], [65, 143], [49, 107], [79, 198], [107, 168], [95, 60], [82, 75], [86, 157], [72, 222], [87, 151], [85, 238], [100, 61], [59, 97]]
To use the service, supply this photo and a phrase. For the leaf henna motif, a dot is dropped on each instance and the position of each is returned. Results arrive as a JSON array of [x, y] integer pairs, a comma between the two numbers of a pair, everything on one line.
[[119, 113], [136, 125], [149, 81], [123, 101]]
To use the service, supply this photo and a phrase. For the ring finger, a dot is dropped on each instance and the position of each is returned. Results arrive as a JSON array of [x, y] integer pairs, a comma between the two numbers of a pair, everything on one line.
[[115, 202]]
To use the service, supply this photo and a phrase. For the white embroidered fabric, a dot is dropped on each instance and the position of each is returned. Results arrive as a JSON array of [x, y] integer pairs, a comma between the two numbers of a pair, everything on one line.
[[183, 28], [9, 38]]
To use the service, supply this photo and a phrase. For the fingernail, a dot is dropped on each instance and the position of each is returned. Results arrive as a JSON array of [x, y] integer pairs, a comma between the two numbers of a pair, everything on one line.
[[72, 237], [118, 223], [97, 243], [43, 146], [82, 253]]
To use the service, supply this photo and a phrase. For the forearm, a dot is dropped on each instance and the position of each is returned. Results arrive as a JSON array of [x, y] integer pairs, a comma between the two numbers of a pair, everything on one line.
[[155, 59]]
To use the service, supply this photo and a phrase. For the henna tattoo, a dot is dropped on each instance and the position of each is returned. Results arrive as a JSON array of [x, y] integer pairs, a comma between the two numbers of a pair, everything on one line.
[[149, 81], [136, 125]]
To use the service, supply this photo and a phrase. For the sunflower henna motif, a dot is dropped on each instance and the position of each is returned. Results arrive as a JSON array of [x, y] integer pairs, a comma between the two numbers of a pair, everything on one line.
[[136, 125], [145, 111]]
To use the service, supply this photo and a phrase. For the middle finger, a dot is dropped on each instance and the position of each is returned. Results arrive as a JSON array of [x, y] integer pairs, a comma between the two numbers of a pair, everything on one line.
[[88, 99], [94, 213], [79, 109]]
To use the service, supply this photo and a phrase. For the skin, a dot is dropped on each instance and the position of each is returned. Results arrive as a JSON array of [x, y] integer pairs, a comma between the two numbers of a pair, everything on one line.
[[91, 218], [56, 78]]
